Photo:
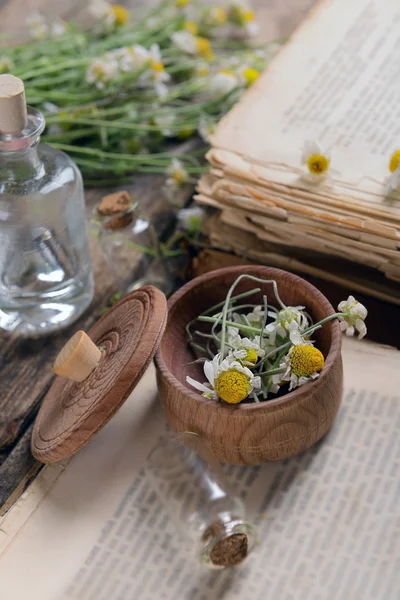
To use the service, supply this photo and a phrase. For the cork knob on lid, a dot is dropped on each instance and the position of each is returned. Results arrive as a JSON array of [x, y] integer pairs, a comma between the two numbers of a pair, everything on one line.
[[78, 358], [13, 113]]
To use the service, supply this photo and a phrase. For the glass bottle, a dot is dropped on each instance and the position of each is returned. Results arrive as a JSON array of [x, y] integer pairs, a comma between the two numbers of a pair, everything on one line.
[[189, 481], [130, 244], [45, 272]]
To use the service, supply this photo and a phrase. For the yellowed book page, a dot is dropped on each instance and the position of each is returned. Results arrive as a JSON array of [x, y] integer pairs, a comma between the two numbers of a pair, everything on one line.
[[336, 80]]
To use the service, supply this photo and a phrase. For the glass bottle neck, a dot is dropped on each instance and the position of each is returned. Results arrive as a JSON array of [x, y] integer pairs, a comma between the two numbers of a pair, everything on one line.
[[19, 158]]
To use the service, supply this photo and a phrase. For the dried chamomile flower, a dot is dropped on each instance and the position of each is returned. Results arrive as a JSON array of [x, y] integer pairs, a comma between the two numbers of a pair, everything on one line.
[[353, 318], [228, 380], [302, 363], [317, 160]]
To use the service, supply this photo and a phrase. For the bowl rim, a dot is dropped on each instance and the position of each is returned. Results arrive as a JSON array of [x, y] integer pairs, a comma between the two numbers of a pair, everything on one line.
[[274, 404]]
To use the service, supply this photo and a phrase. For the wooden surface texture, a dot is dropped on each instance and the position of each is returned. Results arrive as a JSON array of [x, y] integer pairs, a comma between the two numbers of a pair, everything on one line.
[[25, 367], [249, 433]]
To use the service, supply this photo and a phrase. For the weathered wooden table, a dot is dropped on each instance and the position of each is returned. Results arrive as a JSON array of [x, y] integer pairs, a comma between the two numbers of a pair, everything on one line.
[[25, 366]]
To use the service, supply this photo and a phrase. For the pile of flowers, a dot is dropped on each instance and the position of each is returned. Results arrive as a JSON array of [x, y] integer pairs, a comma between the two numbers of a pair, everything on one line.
[[115, 93], [253, 352]]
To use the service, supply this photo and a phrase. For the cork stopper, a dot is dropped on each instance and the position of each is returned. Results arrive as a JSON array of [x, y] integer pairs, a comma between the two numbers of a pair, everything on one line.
[[78, 358], [13, 114]]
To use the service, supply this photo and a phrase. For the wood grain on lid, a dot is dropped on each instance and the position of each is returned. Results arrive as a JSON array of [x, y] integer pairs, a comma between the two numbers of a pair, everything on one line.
[[72, 413]]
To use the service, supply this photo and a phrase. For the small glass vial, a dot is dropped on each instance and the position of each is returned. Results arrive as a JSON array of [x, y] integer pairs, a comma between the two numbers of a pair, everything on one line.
[[130, 244], [189, 481], [45, 273]]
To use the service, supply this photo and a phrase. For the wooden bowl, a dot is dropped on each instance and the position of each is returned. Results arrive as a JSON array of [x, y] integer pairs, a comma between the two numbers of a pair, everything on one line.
[[249, 433]]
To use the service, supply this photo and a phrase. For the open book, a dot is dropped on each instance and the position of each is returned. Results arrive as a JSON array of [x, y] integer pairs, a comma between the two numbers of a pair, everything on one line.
[[328, 520], [336, 81]]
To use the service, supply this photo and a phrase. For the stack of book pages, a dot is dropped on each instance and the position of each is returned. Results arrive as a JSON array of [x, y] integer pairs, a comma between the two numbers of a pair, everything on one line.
[[337, 82]]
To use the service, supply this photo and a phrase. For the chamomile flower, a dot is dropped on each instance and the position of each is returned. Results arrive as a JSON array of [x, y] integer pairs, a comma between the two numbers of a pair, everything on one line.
[[110, 15], [177, 178], [193, 44], [133, 58], [246, 350], [202, 68], [38, 26], [223, 82], [191, 26], [206, 128], [353, 318], [242, 15], [288, 320], [215, 16], [101, 71], [394, 168], [191, 219], [316, 159], [156, 72], [6, 64], [228, 380], [302, 363], [249, 75], [165, 122]]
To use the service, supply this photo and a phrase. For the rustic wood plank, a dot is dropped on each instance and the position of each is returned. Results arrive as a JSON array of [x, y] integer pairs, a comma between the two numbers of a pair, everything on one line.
[[25, 366]]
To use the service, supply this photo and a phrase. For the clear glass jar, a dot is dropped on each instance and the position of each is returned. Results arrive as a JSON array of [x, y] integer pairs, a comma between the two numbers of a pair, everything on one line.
[[132, 250], [45, 273], [189, 481]]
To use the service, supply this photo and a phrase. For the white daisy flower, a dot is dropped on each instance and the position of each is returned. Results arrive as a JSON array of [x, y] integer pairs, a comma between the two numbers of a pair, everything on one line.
[[58, 27], [191, 219], [228, 380], [206, 128], [134, 58], [193, 44], [302, 364], [102, 11], [6, 64], [38, 26], [242, 15], [317, 160], [102, 70], [156, 73], [178, 177], [246, 350], [165, 122], [354, 317], [288, 320], [223, 82]]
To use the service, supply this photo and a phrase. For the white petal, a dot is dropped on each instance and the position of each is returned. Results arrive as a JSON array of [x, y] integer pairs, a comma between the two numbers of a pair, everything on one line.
[[209, 371], [350, 331], [196, 384], [362, 329], [256, 383]]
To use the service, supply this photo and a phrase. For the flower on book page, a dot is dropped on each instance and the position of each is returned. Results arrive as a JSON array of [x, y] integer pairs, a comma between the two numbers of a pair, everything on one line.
[[394, 168], [353, 317], [228, 380], [316, 159]]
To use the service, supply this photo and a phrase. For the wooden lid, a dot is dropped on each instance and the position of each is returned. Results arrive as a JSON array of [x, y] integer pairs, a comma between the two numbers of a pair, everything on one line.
[[123, 343]]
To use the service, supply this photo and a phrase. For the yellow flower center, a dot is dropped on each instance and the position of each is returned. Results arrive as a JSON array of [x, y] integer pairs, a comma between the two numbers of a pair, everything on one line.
[[204, 48], [232, 386], [120, 13], [181, 3], [248, 16], [318, 164], [177, 176], [306, 360], [394, 161], [157, 66], [203, 70], [218, 15], [251, 356], [98, 70], [251, 75], [191, 26], [185, 133]]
